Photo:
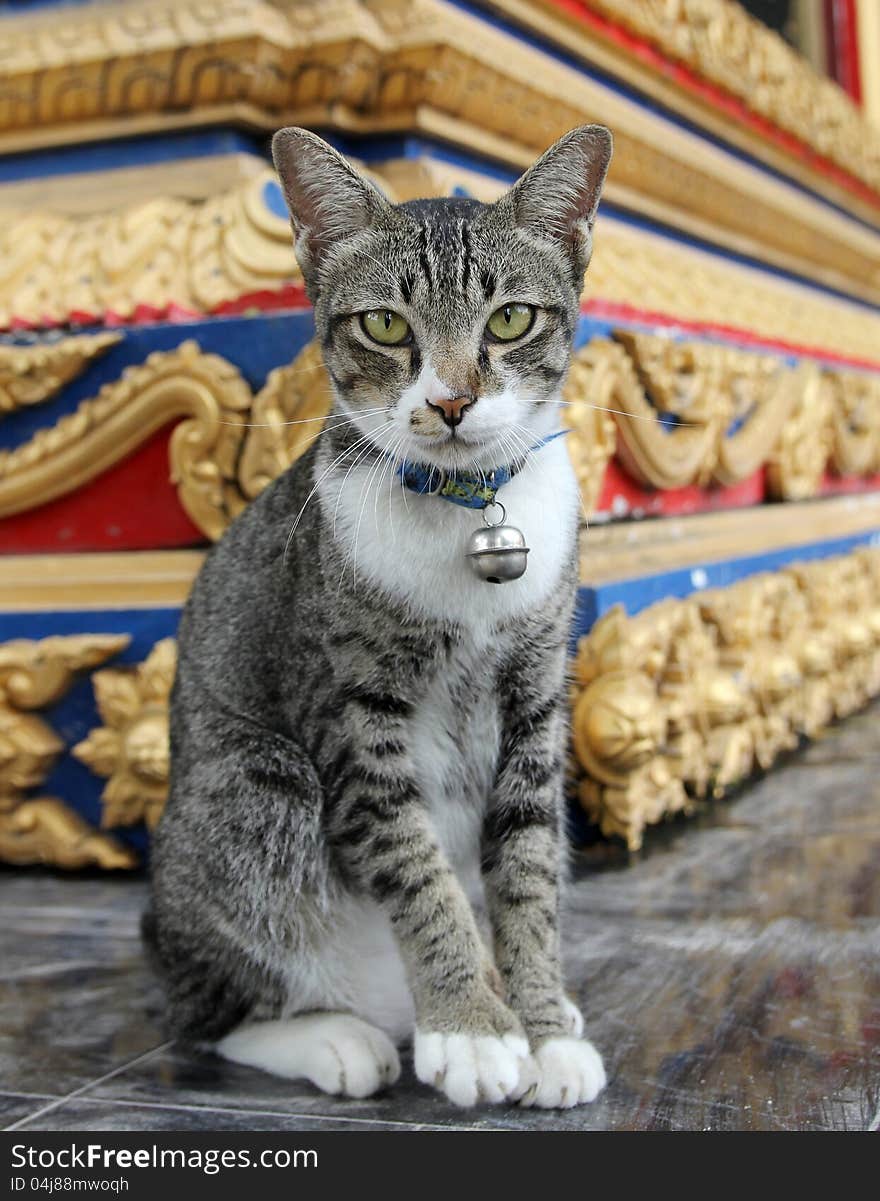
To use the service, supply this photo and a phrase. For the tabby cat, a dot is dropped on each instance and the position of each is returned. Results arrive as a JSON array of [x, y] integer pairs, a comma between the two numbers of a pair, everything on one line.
[[363, 840]]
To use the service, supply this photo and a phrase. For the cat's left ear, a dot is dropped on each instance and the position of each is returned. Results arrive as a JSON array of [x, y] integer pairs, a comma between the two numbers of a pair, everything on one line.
[[327, 199], [558, 196]]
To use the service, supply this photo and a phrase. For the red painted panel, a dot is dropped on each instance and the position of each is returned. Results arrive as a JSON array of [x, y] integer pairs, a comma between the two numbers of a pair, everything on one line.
[[841, 37], [621, 496], [610, 310], [133, 506], [837, 485]]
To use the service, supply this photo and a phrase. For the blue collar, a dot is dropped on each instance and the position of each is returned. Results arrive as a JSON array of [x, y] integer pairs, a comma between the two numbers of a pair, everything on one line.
[[471, 491]]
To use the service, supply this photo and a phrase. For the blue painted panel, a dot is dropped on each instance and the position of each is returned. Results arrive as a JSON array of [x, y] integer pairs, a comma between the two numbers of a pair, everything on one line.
[[255, 344], [128, 152], [638, 594]]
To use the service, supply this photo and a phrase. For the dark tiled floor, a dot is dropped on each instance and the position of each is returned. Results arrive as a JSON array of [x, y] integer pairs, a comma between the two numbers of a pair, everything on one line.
[[730, 976]]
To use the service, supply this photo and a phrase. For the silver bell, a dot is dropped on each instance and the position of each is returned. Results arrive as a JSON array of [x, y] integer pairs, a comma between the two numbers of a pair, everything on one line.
[[497, 553]]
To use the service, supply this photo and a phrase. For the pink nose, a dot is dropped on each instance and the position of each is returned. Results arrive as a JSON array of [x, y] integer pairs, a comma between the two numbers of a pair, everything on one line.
[[453, 409]]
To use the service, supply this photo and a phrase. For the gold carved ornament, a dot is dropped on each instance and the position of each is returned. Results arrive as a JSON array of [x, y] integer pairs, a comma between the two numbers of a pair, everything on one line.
[[724, 44], [855, 423], [689, 697], [205, 390], [397, 64], [43, 829], [226, 446], [30, 375], [131, 749], [702, 413], [587, 395], [194, 255], [200, 255]]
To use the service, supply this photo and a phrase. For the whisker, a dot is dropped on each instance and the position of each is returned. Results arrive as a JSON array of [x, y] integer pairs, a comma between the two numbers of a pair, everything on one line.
[[365, 495], [362, 454], [389, 456], [581, 504], [570, 404], [339, 458], [338, 421]]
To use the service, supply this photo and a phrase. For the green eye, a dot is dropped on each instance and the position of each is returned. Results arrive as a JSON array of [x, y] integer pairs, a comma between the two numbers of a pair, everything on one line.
[[511, 322], [384, 327]]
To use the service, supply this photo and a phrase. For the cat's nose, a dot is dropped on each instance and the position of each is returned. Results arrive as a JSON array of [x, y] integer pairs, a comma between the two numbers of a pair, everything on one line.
[[452, 410]]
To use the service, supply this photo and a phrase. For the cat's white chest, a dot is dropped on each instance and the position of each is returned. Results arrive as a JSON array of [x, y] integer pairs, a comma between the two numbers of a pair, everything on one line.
[[414, 547]]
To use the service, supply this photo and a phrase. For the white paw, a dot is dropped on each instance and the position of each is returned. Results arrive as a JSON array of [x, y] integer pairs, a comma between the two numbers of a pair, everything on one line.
[[567, 1072], [574, 1017], [471, 1068], [338, 1053]]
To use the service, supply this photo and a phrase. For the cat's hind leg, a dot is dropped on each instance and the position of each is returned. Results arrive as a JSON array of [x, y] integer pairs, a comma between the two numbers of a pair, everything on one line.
[[337, 1052]]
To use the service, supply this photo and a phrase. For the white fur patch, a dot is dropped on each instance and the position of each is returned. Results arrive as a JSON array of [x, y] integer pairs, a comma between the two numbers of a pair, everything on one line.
[[413, 547], [338, 1053], [456, 757], [470, 1068], [350, 960]]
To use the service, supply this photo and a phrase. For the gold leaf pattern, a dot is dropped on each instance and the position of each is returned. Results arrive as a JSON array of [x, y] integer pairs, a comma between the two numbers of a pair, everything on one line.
[[44, 829], [132, 748]]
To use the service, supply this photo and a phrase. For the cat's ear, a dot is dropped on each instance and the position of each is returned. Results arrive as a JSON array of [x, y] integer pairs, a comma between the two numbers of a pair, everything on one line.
[[327, 199], [558, 196]]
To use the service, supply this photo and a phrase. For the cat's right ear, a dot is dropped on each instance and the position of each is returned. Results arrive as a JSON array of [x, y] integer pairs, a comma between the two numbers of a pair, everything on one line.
[[327, 199]]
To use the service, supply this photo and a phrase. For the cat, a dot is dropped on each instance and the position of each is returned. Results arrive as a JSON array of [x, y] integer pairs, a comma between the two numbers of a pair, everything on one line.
[[368, 737]]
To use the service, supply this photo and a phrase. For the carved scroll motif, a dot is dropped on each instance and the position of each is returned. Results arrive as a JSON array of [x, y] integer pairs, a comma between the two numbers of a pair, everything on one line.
[[674, 413], [702, 413], [32, 374]]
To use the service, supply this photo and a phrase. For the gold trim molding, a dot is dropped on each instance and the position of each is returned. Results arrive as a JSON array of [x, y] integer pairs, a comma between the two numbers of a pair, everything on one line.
[[689, 697], [43, 829], [389, 65]]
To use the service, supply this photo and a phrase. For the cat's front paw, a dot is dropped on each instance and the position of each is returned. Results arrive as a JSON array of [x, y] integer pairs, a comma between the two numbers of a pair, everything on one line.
[[565, 1072], [470, 1068]]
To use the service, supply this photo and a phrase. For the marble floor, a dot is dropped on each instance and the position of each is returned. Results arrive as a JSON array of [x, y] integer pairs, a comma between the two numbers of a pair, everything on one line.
[[730, 975]]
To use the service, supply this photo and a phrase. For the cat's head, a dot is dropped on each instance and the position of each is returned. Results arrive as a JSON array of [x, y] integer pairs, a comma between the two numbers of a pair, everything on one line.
[[446, 325]]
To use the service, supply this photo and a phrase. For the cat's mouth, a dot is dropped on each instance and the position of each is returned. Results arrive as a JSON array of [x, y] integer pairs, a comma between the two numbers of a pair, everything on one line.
[[453, 450]]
